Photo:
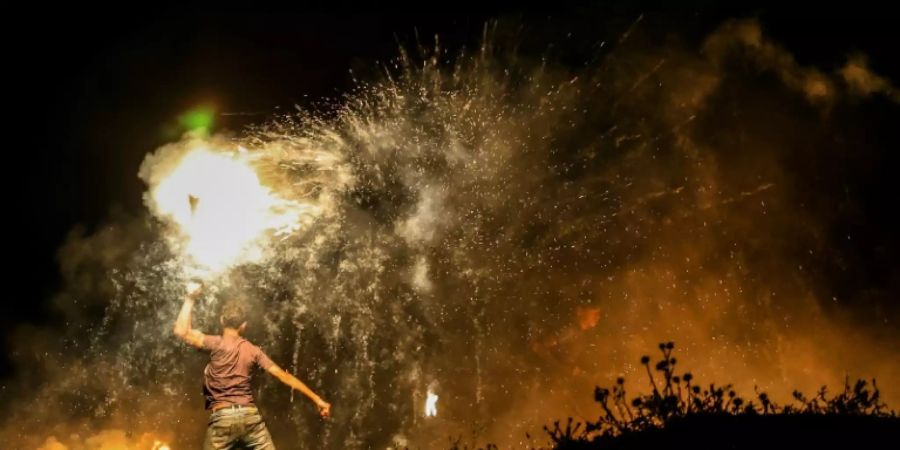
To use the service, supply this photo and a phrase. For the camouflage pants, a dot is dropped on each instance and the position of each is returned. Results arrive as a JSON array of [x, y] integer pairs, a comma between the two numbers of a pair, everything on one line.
[[237, 428]]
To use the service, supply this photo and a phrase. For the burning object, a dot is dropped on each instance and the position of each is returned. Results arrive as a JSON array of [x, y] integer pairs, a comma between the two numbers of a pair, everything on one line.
[[431, 404]]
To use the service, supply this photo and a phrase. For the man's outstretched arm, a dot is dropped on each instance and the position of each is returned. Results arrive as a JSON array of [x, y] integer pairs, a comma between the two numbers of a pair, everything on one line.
[[183, 322], [292, 381]]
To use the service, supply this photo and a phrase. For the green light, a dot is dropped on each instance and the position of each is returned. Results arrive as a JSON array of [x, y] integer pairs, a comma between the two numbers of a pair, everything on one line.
[[198, 120]]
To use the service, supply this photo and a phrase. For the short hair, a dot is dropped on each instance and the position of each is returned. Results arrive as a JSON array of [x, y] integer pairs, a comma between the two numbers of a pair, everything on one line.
[[234, 313]]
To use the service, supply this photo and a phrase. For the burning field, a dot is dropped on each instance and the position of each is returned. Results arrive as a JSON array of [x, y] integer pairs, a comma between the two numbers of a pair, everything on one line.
[[466, 243]]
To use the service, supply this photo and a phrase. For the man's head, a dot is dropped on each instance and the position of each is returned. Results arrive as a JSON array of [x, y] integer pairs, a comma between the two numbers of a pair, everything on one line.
[[234, 315]]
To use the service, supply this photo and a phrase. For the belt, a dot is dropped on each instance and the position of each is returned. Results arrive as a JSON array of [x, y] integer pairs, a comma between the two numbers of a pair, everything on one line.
[[232, 406]]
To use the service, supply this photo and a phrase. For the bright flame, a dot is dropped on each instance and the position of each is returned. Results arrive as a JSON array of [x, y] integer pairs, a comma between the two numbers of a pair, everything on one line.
[[222, 209], [431, 405], [110, 439]]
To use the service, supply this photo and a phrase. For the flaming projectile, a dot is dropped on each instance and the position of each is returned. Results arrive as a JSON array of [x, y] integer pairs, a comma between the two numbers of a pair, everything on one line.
[[237, 215]]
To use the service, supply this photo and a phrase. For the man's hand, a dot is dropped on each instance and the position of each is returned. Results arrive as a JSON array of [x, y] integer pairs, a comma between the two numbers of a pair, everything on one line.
[[324, 408], [194, 289]]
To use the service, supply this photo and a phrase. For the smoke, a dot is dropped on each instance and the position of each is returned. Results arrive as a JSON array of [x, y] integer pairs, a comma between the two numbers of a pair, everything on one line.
[[510, 230], [863, 82], [747, 37]]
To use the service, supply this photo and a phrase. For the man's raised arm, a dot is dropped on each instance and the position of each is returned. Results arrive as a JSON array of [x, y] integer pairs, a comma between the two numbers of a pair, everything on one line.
[[182, 327]]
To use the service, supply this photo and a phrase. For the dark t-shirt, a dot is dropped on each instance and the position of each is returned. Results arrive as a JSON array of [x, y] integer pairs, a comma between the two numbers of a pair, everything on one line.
[[226, 378]]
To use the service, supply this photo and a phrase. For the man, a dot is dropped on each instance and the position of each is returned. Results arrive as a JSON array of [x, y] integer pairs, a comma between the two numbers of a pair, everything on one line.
[[235, 421]]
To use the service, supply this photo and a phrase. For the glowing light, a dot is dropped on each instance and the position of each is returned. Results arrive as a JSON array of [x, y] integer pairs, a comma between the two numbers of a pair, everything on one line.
[[197, 120], [588, 317], [431, 405], [222, 210], [157, 445]]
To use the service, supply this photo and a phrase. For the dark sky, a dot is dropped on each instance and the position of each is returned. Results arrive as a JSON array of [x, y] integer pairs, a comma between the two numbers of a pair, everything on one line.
[[91, 92]]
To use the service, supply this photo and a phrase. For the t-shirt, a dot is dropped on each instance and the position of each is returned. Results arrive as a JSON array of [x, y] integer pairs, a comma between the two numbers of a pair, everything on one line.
[[226, 378]]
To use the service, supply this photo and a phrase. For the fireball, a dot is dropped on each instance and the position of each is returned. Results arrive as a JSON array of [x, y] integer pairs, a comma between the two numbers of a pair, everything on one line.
[[223, 215]]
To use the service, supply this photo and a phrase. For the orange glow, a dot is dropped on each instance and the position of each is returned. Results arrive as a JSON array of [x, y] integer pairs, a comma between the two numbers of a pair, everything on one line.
[[588, 317]]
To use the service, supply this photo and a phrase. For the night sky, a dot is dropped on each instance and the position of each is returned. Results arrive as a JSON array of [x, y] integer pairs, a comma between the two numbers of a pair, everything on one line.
[[92, 92]]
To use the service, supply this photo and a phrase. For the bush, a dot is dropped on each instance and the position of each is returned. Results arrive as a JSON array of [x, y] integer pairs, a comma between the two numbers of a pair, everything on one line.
[[675, 397]]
